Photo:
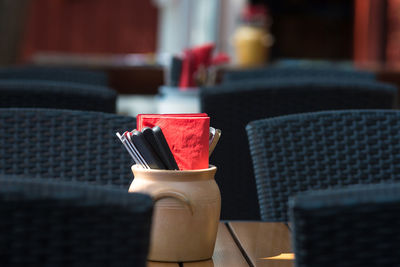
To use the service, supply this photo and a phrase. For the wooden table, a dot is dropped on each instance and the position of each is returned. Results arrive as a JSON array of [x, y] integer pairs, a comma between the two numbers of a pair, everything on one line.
[[124, 75], [246, 244]]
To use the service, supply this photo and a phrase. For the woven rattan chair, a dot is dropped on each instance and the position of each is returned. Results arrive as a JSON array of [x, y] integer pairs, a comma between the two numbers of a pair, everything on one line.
[[279, 72], [48, 223], [321, 150], [65, 145], [231, 107], [356, 226], [57, 74], [60, 95]]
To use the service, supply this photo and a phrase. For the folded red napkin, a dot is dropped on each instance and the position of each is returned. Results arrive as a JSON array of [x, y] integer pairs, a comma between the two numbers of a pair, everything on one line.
[[139, 117], [187, 136], [194, 59]]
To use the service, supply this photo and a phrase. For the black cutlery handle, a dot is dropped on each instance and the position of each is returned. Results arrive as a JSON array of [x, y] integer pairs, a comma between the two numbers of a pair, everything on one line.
[[149, 155], [164, 149]]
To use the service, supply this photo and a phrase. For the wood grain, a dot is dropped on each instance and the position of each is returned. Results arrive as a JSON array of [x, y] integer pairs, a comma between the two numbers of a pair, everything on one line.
[[261, 240], [226, 252], [161, 264]]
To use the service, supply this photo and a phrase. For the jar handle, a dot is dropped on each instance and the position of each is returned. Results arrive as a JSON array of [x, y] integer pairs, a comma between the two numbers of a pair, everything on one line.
[[173, 194]]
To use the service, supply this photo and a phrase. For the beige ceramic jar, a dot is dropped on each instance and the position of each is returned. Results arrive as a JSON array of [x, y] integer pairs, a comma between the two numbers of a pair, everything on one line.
[[186, 212]]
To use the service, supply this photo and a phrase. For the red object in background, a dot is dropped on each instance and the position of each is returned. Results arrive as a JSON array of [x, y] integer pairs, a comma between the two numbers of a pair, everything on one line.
[[254, 12], [194, 58], [393, 33], [202, 54], [188, 70], [377, 32], [187, 136], [369, 31], [220, 58], [90, 27]]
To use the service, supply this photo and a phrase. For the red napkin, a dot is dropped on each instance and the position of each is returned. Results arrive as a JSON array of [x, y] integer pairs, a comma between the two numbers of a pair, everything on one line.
[[187, 136], [196, 57], [188, 70], [220, 59], [203, 54]]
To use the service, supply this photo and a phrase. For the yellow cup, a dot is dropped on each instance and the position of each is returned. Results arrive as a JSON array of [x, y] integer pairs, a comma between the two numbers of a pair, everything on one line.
[[252, 46]]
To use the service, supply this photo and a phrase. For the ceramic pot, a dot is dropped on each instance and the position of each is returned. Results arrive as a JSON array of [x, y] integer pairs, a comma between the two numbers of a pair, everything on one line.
[[186, 212]]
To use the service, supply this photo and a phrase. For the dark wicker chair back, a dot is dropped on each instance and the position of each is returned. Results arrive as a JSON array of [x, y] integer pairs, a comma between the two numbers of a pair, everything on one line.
[[279, 72], [53, 94], [65, 145], [356, 226], [232, 106], [48, 223], [321, 150], [71, 75]]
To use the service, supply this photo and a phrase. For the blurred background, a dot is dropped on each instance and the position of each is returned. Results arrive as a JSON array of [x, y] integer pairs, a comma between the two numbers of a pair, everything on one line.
[[134, 41]]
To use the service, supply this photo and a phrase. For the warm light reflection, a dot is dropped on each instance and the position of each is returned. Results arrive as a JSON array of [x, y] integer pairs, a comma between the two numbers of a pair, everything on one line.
[[282, 256]]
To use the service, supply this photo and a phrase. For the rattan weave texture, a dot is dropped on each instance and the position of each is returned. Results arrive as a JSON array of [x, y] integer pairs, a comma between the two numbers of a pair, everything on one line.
[[65, 145], [321, 150], [353, 226], [55, 94], [278, 72], [232, 106], [49, 223], [36, 73]]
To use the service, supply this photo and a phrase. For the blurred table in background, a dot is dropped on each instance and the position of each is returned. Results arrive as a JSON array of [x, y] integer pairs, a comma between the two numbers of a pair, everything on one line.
[[136, 77], [128, 73], [383, 72]]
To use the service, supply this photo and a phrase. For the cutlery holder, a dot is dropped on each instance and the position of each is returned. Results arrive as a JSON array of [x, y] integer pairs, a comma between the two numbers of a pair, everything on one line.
[[186, 212]]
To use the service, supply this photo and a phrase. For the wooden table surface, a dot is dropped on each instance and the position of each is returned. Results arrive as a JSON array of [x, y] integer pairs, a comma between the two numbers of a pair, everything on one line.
[[246, 244]]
